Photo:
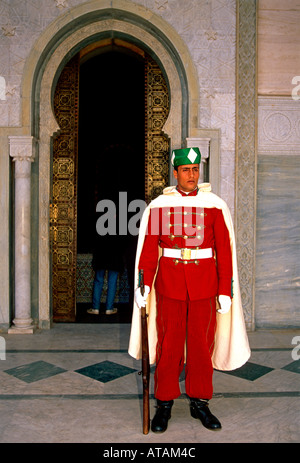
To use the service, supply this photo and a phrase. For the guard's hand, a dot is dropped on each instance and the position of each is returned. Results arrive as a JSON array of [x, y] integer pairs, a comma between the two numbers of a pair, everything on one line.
[[225, 304], [139, 299]]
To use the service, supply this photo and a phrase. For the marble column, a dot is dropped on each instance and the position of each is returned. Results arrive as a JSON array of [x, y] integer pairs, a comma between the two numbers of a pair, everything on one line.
[[22, 153]]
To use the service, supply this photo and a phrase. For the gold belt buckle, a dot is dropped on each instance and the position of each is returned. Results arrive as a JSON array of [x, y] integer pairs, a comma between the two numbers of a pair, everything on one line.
[[186, 254]]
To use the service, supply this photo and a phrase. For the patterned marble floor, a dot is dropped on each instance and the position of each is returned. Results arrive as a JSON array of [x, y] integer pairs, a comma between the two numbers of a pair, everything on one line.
[[76, 383]]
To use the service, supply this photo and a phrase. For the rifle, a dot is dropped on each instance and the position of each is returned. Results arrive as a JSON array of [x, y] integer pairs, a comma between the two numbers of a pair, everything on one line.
[[145, 361]]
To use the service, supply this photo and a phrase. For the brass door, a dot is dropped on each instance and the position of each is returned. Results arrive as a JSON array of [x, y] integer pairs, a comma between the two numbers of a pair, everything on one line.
[[63, 210], [157, 143], [65, 154]]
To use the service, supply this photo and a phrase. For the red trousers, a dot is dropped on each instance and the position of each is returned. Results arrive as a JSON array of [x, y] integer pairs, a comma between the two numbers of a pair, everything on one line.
[[193, 322]]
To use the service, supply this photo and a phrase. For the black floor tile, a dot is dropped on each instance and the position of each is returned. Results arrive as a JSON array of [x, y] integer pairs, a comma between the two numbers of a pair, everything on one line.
[[105, 371], [35, 371], [250, 371]]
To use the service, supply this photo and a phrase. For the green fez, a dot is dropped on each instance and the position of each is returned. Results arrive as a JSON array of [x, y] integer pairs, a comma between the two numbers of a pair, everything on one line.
[[185, 156]]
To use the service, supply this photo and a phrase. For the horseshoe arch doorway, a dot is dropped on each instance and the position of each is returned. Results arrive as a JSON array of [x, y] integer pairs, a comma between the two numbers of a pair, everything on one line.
[[111, 102]]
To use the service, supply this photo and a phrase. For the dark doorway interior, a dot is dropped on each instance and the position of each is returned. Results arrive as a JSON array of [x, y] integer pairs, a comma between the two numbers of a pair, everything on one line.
[[110, 158]]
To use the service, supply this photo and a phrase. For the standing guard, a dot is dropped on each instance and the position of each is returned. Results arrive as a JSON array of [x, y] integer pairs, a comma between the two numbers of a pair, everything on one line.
[[186, 250]]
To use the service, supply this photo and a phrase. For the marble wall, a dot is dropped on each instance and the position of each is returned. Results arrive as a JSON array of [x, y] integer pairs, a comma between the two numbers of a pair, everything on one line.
[[278, 46], [277, 280], [278, 242], [278, 213]]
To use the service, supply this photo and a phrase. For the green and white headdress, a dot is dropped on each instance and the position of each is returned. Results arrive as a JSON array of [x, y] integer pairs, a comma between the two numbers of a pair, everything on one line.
[[185, 156]]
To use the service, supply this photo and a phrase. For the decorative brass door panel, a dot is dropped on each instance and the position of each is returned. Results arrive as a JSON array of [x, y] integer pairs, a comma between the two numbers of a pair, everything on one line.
[[63, 210], [157, 143]]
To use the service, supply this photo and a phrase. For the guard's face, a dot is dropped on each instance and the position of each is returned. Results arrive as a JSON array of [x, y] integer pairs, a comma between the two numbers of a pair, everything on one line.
[[187, 177]]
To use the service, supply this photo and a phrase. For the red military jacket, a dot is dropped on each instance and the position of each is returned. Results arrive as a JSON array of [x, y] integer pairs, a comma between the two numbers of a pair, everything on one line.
[[194, 228]]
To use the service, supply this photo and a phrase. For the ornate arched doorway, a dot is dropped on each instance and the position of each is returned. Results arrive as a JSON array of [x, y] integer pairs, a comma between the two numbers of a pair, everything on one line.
[[122, 71]]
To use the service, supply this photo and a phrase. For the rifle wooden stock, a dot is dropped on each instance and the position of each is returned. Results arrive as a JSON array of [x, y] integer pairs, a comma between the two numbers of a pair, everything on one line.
[[145, 362]]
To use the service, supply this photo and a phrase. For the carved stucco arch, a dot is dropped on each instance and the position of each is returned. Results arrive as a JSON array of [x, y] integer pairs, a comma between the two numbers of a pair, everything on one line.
[[79, 27], [86, 23]]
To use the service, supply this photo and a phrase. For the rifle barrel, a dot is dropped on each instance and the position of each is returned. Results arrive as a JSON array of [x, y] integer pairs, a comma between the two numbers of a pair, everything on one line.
[[145, 361]]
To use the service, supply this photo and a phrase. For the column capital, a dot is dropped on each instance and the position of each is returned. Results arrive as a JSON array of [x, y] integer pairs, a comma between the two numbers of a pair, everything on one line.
[[202, 143], [21, 148]]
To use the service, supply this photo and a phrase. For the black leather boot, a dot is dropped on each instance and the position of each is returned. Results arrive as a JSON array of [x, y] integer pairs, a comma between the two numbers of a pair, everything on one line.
[[199, 410], [162, 415]]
